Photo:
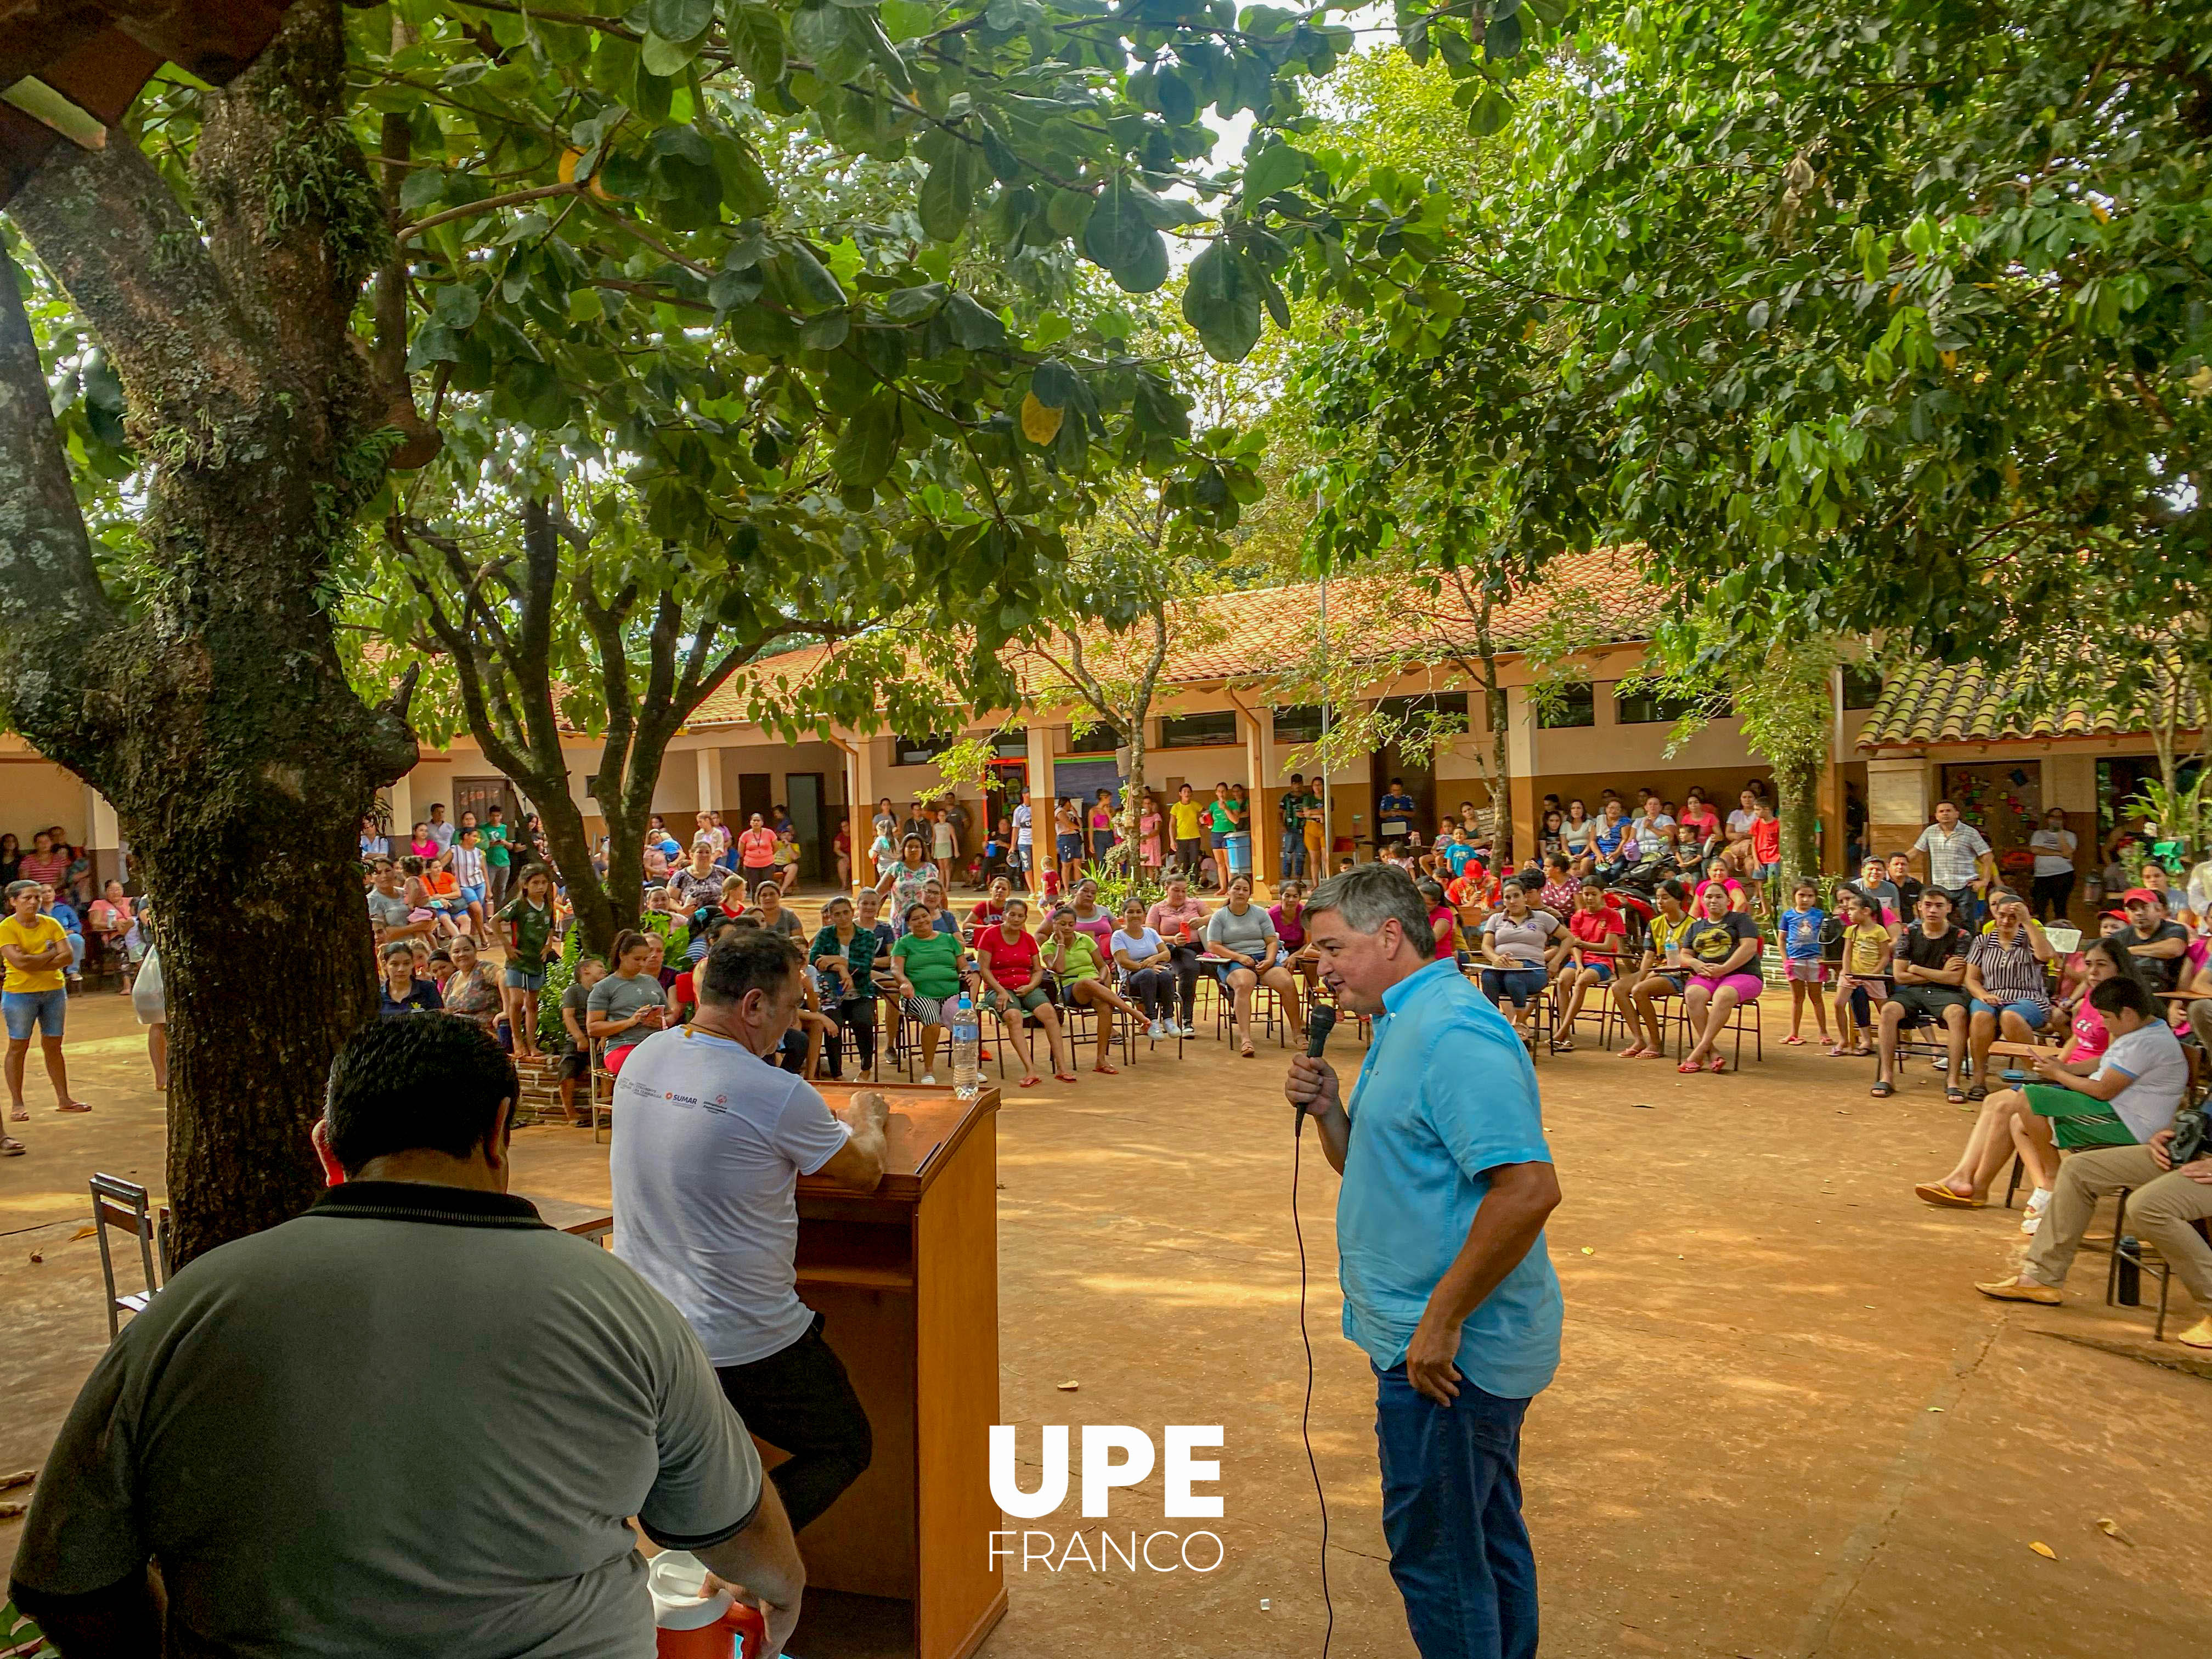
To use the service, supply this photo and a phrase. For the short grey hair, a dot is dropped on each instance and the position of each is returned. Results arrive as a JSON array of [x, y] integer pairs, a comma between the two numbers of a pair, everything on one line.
[[1368, 894]]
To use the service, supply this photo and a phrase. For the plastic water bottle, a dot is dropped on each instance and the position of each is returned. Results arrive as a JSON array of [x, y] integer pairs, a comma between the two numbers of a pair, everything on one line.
[[967, 1050]]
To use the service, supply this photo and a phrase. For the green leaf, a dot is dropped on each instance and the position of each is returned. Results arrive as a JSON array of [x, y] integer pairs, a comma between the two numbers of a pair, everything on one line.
[[869, 444], [1149, 269], [624, 175], [1005, 166], [817, 287], [1222, 302], [756, 36], [1055, 385], [745, 187], [458, 306], [976, 328], [825, 331], [733, 288], [1116, 232], [1503, 38], [1178, 103], [1489, 113], [1159, 408], [1277, 167], [679, 20], [660, 56], [948, 195]]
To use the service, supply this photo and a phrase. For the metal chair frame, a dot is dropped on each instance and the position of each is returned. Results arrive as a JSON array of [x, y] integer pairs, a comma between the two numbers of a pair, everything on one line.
[[125, 1205]]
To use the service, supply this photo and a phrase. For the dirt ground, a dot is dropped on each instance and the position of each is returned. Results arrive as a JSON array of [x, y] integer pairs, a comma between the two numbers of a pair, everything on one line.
[[1785, 1426]]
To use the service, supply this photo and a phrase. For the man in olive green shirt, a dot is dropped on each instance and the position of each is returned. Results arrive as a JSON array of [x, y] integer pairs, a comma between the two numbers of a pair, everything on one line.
[[413, 1421]]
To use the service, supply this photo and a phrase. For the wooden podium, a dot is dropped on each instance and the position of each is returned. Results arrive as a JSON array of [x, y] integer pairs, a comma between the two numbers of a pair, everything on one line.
[[907, 1278]]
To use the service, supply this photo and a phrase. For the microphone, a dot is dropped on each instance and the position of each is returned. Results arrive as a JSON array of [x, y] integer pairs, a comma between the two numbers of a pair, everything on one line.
[[1320, 1020]]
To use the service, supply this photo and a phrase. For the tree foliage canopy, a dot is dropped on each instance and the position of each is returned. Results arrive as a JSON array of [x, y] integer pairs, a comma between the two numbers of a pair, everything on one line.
[[1886, 317]]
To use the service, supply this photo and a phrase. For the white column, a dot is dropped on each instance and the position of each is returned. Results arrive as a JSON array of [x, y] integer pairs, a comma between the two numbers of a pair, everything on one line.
[[710, 779], [402, 796], [103, 838], [863, 806]]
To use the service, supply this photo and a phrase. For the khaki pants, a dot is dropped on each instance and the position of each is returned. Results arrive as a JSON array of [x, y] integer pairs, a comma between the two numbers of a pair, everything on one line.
[[2159, 1209]]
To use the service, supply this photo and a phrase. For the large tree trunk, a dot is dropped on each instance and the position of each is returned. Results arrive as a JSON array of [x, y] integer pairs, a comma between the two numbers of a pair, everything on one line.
[[219, 722], [1797, 803]]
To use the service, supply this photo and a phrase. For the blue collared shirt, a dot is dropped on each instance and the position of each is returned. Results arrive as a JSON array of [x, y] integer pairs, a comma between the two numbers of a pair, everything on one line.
[[1446, 1095]]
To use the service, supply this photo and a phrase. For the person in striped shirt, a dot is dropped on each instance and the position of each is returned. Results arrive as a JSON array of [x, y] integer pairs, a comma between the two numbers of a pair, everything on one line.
[[2006, 983]]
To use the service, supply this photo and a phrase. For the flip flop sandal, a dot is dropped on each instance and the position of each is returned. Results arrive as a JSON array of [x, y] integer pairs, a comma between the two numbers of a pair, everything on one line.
[[1717, 1065], [1930, 1192], [1689, 1065], [1111, 1071], [1956, 1096], [1882, 1090], [1977, 1092], [1794, 1042], [74, 1106], [1562, 1047], [11, 1147], [1068, 1077]]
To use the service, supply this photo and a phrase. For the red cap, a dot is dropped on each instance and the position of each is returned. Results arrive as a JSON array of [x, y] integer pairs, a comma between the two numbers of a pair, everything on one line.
[[2141, 896], [2116, 915]]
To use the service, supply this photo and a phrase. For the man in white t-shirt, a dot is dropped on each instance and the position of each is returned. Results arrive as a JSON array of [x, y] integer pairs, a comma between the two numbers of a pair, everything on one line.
[[1024, 838], [714, 1137]]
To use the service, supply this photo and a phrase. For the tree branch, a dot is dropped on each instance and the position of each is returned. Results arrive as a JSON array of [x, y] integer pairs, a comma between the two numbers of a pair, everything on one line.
[[109, 230], [51, 604]]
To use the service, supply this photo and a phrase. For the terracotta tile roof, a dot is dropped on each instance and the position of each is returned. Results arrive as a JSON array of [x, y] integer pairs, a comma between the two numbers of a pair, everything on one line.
[[1972, 703], [1261, 631]]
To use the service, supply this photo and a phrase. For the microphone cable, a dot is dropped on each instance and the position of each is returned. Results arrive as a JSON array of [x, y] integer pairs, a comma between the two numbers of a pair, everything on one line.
[[1305, 1412]]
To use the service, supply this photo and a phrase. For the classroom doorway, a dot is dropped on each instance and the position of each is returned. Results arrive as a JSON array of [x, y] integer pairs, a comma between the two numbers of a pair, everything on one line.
[[805, 809], [480, 795]]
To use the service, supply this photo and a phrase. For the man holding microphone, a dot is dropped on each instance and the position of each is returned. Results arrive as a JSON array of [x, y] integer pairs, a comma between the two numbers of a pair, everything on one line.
[[1440, 1240]]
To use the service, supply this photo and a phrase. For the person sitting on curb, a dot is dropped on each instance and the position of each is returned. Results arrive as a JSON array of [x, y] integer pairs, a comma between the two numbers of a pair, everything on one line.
[[2006, 984], [1930, 970]]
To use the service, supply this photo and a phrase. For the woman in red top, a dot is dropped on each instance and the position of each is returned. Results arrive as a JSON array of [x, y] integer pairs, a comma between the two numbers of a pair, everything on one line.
[[756, 850], [1013, 989], [1597, 930]]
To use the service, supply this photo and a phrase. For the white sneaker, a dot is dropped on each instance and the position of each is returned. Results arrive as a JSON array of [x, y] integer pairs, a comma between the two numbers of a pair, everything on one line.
[[1177, 1028], [1156, 1031], [929, 1079], [2031, 1215]]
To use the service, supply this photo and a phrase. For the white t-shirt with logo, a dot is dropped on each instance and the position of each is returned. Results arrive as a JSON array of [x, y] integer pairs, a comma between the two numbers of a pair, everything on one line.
[[706, 1165]]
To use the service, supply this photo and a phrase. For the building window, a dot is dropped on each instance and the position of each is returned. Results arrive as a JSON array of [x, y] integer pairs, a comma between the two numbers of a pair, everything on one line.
[[918, 752], [1299, 725], [1012, 744], [1862, 685], [1572, 704], [1092, 740], [1212, 730], [1649, 708]]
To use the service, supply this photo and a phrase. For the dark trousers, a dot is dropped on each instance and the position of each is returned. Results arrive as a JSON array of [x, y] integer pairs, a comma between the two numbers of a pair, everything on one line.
[[1148, 987], [2050, 895], [1189, 855], [1186, 971], [858, 1016], [801, 1402], [1451, 1514]]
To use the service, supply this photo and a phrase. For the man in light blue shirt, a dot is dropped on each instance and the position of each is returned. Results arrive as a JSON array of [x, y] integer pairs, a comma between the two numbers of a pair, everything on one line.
[[1440, 1240]]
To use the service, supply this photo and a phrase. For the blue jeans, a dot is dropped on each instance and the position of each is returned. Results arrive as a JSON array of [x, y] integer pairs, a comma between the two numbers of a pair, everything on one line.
[[1294, 854], [1521, 985], [28, 1011], [1451, 1514]]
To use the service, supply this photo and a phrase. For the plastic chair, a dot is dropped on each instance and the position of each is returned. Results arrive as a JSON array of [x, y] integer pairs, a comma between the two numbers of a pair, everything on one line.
[[123, 1206]]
